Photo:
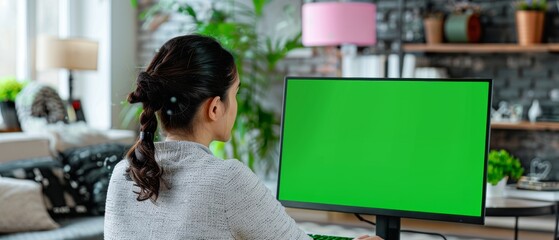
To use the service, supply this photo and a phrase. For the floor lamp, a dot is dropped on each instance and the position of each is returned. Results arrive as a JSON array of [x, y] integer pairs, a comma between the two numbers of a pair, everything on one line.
[[71, 54], [345, 24]]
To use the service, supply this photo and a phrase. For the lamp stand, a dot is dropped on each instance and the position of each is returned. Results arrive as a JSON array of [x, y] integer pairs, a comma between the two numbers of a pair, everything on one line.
[[350, 68], [70, 85], [75, 104]]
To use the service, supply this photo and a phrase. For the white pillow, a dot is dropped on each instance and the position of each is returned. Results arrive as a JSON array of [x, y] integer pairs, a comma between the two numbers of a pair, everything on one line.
[[22, 207], [64, 136]]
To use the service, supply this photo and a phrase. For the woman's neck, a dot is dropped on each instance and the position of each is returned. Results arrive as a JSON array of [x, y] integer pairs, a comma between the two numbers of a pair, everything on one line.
[[198, 138]]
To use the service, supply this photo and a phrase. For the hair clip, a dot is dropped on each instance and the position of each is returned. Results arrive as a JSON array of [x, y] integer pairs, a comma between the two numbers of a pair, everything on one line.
[[145, 136]]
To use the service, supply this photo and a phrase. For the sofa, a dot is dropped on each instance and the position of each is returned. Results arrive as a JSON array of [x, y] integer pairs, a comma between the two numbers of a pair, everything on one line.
[[48, 192]]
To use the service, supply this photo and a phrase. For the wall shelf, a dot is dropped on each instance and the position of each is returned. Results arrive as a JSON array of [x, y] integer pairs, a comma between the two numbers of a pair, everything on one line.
[[480, 48], [537, 126]]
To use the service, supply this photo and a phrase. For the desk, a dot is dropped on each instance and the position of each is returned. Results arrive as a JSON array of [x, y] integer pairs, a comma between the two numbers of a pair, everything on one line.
[[508, 207]]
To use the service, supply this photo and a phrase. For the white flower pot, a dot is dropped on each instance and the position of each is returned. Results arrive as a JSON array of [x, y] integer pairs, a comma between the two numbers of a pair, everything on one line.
[[498, 190]]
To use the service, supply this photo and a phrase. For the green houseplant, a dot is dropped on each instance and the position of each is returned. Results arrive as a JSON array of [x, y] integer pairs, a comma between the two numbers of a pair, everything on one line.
[[501, 164], [532, 5], [256, 132], [530, 19], [9, 88]]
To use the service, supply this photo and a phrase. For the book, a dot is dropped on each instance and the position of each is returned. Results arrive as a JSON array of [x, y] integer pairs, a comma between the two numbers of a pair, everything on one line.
[[513, 192]]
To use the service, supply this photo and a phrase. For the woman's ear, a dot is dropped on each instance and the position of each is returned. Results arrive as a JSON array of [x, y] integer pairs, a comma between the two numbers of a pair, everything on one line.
[[215, 108]]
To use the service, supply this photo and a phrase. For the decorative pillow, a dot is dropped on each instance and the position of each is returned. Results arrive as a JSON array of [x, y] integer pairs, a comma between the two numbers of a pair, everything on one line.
[[60, 199], [90, 168], [65, 136], [22, 207], [39, 104]]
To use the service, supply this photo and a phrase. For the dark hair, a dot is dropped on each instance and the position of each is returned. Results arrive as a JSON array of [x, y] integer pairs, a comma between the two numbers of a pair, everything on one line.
[[184, 72]]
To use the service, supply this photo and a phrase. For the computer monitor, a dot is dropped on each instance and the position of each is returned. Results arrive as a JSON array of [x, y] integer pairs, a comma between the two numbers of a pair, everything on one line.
[[394, 148]]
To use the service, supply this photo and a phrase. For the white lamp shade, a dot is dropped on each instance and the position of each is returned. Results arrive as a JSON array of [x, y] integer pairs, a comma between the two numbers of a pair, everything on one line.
[[338, 23], [73, 54]]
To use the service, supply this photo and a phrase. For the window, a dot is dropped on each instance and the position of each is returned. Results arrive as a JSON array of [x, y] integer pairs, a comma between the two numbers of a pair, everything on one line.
[[20, 22], [47, 24], [8, 31]]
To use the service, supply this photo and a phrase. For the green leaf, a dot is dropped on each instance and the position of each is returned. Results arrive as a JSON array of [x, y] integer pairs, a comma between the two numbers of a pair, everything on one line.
[[130, 114], [192, 13], [134, 3], [259, 6]]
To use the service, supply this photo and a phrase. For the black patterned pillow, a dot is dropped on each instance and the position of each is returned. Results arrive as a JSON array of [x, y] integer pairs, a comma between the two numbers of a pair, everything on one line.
[[90, 168], [60, 199]]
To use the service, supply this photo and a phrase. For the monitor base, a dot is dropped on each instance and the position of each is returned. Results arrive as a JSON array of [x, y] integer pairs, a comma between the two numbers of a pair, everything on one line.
[[388, 227]]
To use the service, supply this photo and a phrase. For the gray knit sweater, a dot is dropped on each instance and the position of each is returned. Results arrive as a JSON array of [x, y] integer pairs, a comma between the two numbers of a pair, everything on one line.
[[209, 198]]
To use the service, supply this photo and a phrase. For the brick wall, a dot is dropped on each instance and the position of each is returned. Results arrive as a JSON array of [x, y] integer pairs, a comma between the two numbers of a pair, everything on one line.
[[518, 78]]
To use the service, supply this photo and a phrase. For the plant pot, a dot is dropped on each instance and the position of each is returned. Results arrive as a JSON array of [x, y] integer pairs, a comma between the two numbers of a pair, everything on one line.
[[433, 30], [9, 115], [497, 190], [529, 27], [463, 28]]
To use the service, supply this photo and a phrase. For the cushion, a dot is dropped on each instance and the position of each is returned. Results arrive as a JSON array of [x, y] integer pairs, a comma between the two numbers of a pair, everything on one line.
[[90, 168], [22, 207], [65, 136], [39, 104], [75, 228], [16, 146], [61, 200]]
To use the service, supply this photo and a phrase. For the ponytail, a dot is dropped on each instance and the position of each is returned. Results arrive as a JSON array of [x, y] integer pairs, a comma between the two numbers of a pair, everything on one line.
[[143, 169]]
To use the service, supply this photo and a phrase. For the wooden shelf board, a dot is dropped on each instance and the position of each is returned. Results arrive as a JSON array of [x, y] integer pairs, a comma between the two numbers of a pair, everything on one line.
[[554, 47], [481, 48], [537, 126]]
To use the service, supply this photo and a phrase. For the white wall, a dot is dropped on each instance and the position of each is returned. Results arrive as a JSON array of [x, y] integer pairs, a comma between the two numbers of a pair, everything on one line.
[[113, 25], [124, 69]]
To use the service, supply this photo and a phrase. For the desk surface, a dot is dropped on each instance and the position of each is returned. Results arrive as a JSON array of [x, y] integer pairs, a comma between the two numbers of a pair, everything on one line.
[[508, 207]]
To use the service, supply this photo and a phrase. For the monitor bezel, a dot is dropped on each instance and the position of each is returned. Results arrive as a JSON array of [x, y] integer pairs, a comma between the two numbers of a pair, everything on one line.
[[388, 212]]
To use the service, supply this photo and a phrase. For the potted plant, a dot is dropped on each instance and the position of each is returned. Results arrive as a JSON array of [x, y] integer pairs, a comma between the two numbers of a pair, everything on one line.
[[9, 88], [530, 18], [500, 167]]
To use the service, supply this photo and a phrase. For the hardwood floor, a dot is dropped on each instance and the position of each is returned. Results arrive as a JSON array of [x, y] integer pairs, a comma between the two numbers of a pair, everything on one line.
[[531, 228]]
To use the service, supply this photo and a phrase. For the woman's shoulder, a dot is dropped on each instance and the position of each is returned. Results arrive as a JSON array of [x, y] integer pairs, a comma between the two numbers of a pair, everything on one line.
[[121, 166], [239, 173], [236, 167], [119, 169]]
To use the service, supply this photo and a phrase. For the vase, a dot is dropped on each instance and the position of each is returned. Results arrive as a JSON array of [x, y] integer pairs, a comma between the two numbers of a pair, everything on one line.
[[9, 115], [529, 27], [463, 28], [433, 30], [497, 191]]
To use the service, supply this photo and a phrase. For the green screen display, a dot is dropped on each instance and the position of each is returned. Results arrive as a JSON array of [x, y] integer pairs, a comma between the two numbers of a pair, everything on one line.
[[401, 145]]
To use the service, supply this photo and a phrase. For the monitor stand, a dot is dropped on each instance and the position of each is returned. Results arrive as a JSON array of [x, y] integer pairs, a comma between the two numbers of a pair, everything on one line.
[[388, 227]]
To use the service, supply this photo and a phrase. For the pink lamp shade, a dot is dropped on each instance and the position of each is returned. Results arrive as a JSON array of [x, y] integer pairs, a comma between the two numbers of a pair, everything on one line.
[[336, 23]]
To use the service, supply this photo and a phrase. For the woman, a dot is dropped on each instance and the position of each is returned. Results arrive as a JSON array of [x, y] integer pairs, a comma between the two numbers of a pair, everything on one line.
[[191, 85]]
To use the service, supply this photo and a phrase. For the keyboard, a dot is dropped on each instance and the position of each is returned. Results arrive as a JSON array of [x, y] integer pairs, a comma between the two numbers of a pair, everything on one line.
[[325, 237]]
